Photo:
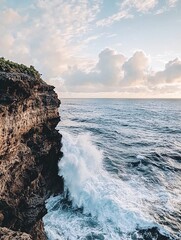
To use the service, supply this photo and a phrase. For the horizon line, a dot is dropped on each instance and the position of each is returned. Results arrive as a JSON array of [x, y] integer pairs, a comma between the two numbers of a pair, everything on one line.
[[134, 98]]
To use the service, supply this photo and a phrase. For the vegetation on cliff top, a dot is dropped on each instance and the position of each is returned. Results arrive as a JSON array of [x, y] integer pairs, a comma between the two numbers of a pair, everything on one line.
[[9, 66]]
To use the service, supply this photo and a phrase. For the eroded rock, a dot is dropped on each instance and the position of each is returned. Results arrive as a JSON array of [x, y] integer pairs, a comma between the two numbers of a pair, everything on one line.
[[29, 151]]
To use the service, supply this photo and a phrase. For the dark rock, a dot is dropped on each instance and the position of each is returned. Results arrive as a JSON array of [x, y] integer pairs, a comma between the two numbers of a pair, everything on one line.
[[29, 151]]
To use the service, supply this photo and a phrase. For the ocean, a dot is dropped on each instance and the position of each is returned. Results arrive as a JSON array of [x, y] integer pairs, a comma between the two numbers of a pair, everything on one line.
[[121, 167]]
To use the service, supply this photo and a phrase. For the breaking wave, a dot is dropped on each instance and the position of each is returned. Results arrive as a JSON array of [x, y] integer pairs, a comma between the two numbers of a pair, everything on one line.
[[96, 204]]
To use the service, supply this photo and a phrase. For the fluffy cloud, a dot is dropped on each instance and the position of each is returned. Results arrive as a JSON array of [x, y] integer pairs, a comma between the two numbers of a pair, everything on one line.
[[47, 33], [171, 73], [115, 73], [109, 66], [52, 35], [105, 75], [135, 69]]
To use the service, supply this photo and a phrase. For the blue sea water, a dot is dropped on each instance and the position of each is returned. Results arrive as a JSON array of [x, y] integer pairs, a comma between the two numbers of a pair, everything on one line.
[[121, 169]]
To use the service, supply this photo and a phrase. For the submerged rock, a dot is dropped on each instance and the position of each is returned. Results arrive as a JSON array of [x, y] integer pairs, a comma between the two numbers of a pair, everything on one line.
[[29, 150]]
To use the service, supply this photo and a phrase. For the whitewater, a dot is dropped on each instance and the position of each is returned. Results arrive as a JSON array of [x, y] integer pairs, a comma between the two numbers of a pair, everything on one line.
[[121, 171]]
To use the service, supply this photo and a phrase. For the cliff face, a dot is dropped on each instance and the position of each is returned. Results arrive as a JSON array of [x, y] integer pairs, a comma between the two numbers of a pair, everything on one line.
[[29, 152]]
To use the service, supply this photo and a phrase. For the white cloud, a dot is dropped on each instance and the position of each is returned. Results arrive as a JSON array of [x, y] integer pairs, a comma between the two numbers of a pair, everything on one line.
[[53, 36], [109, 66], [105, 74], [114, 73], [9, 17], [172, 3], [47, 33], [129, 9], [139, 5], [114, 18], [68, 17], [11, 21], [136, 68], [165, 8], [6, 42], [171, 73]]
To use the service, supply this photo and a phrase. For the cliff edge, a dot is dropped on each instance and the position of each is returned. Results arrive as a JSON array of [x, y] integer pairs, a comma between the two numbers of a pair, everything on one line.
[[29, 150]]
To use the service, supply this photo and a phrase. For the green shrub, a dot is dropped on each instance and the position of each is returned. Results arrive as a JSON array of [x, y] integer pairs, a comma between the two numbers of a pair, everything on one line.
[[9, 66]]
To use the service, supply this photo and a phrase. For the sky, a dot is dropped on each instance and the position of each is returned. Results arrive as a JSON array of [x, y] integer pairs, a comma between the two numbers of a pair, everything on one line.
[[97, 48]]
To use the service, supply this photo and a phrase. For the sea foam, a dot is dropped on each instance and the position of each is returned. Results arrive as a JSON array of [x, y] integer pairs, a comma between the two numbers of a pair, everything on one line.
[[100, 203]]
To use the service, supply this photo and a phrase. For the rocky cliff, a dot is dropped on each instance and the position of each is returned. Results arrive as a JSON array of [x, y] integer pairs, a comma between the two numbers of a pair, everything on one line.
[[29, 150]]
